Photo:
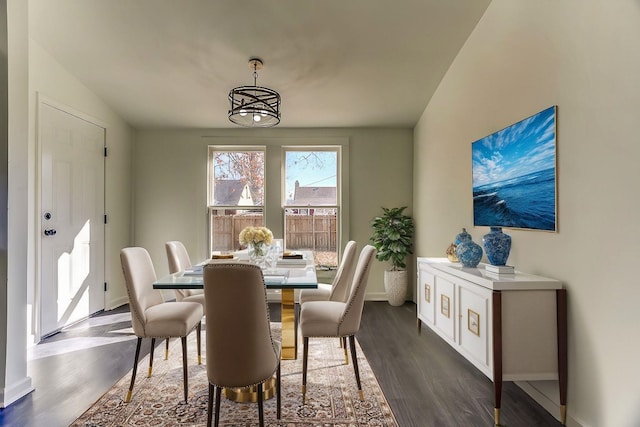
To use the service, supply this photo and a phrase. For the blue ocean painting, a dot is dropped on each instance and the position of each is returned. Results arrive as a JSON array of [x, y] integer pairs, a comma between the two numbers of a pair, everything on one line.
[[514, 175]]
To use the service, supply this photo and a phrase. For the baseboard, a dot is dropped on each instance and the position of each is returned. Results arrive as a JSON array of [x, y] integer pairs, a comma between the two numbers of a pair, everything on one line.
[[549, 405], [118, 302], [376, 296], [8, 395]]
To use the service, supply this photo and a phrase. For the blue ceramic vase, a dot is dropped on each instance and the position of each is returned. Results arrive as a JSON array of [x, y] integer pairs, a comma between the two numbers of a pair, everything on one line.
[[497, 245], [468, 252]]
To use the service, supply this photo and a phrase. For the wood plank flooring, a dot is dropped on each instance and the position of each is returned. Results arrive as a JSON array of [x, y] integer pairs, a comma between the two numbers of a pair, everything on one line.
[[425, 381]]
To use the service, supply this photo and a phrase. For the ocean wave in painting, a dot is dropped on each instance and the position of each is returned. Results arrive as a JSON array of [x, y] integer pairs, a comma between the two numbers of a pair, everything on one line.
[[528, 201]]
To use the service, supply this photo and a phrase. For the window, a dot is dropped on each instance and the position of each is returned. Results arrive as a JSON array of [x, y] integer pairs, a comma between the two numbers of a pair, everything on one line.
[[236, 193], [311, 202], [245, 183]]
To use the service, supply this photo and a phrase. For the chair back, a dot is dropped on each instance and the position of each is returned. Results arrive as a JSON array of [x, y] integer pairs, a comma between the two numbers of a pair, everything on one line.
[[350, 321], [139, 276], [178, 258], [240, 349], [344, 275]]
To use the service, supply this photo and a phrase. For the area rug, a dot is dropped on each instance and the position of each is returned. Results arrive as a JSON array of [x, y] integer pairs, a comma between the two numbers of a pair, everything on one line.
[[332, 395]]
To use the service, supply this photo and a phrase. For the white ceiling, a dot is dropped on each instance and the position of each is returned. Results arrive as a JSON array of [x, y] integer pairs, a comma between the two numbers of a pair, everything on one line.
[[336, 63]]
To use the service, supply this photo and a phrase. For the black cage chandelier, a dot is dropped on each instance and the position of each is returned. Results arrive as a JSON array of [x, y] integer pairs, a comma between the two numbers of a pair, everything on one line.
[[254, 106]]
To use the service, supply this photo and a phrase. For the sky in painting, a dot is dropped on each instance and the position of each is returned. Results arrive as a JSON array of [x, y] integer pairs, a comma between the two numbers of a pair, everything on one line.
[[517, 150]]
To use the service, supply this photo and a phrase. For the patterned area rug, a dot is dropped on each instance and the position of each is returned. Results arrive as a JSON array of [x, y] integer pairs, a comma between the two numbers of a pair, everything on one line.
[[332, 395]]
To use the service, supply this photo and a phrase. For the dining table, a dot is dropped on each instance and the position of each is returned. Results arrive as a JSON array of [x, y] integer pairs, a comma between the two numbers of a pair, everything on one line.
[[286, 275]]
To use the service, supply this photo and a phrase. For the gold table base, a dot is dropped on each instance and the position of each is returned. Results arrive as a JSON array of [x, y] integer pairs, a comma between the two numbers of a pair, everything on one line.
[[288, 319], [250, 394]]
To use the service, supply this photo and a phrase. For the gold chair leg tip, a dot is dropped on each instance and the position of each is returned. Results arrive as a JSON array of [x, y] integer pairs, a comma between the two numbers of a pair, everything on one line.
[[149, 373], [127, 399], [199, 360], [496, 416], [361, 395]]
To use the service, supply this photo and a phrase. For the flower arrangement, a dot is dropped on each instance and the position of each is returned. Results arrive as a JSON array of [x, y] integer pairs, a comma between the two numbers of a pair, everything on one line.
[[256, 238]]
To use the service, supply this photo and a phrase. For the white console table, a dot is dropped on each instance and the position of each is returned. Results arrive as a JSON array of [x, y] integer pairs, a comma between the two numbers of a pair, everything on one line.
[[512, 327]]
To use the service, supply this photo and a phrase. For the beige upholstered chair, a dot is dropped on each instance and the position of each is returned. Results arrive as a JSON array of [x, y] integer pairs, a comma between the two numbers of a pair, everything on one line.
[[336, 318], [240, 349], [179, 260], [338, 290], [153, 318]]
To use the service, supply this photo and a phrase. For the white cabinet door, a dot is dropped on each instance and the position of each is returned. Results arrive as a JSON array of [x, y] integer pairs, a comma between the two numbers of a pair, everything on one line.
[[445, 308], [474, 326], [426, 287]]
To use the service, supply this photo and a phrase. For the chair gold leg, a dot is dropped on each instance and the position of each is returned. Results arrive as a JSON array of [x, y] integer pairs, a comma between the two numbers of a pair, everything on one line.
[[346, 356], [153, 346], [127, 399], [354, 359], [166, 350]]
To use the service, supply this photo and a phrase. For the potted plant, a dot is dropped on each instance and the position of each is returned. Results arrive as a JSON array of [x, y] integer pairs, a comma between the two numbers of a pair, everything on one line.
[[392, 237]]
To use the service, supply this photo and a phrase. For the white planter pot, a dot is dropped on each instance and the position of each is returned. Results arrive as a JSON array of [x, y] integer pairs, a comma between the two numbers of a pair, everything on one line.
[[396, 285]]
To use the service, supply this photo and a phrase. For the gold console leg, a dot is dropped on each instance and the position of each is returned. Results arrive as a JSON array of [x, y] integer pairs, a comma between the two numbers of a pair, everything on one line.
[[288, 314], [496, 416], [563, 414]]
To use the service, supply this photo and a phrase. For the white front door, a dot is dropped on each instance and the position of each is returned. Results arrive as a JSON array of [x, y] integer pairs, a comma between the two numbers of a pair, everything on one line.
[[71, 218]]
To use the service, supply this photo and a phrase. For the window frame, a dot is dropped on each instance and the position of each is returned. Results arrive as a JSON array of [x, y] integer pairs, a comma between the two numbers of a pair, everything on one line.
[[338, 149], [211, 207]]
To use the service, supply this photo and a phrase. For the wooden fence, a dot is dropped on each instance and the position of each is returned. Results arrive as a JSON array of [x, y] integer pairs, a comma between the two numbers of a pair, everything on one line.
[[312, 232]]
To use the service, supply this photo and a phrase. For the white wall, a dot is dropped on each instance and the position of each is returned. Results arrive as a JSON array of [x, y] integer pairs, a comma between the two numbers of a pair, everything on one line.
[[48, 78], [584, 57], [170, 177], [14, 382]]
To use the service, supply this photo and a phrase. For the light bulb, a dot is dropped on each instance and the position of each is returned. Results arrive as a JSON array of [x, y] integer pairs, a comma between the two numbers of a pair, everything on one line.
[[243, 113], [256, 118], [263, 113]]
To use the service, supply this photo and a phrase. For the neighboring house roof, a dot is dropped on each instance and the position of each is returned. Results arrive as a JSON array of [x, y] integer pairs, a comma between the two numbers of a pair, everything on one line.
[[232, 192], [314, 196]]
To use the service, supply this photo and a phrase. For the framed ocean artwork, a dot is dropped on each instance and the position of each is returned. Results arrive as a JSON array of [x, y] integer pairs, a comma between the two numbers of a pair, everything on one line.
[[514, 175]]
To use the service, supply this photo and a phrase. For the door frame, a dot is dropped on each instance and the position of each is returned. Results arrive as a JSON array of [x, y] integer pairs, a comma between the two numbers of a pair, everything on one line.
[[41, 100]]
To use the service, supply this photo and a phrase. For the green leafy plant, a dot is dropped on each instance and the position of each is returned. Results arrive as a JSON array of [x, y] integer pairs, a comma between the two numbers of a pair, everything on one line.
[[393, 236]]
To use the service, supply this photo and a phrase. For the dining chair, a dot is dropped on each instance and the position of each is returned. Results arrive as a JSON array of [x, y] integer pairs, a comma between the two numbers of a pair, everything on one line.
[[179, 260], [153, 318], [240, 349], [337, 318], [338, 290]]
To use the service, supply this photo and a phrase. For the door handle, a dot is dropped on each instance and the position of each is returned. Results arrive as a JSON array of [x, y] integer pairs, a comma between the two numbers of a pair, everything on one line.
[[50, 232]]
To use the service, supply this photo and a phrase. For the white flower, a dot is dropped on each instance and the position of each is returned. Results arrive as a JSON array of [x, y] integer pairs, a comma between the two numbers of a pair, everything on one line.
[[255, 235]]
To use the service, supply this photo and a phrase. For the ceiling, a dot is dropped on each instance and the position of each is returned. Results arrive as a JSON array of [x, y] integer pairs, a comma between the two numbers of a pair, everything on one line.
[[336, 63]]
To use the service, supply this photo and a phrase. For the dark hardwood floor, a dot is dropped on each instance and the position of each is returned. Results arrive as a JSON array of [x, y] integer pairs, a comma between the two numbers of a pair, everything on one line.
[[428, 384], [425, 381]]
